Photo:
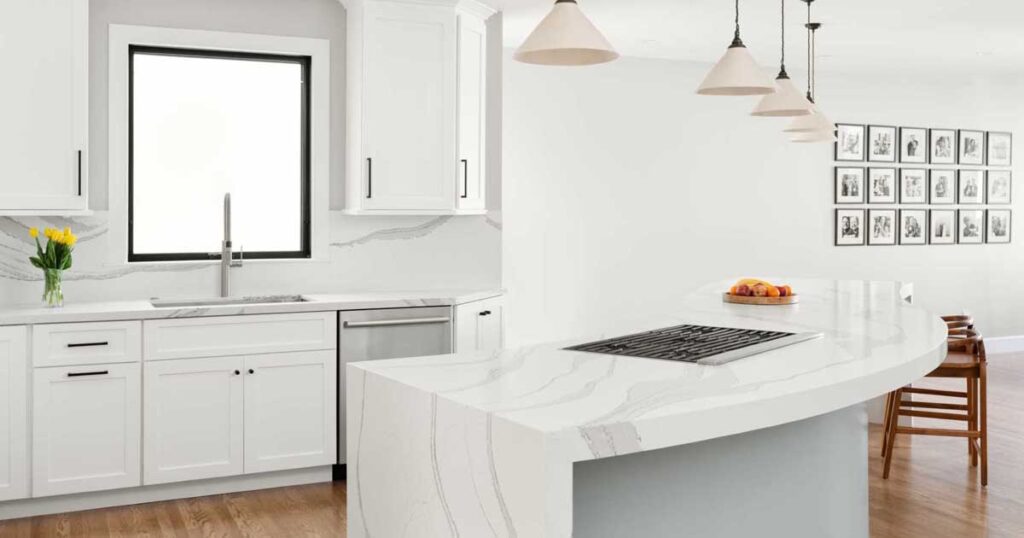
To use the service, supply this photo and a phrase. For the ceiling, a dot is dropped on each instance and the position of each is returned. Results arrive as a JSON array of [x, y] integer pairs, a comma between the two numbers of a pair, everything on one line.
[[944, 36]]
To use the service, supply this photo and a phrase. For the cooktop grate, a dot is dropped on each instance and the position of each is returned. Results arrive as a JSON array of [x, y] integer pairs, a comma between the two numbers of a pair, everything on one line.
[[695, 343]]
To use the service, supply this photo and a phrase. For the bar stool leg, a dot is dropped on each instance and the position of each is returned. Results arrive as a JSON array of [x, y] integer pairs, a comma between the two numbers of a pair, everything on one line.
[[983, 416], [895, 420], [887, 421]]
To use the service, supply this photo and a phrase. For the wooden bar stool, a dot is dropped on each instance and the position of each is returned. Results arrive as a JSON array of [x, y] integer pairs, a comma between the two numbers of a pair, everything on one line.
[[965, 360]]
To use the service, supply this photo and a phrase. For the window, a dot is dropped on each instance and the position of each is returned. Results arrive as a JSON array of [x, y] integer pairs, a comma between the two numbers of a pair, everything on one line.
[[203, 123]]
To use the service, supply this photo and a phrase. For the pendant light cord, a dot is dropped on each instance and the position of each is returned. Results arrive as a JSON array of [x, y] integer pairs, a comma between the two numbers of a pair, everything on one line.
[[810, 72], [782, 64], [736, 41]]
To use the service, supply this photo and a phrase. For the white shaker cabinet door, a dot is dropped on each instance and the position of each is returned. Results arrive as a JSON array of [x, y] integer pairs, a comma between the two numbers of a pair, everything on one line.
[[290, 410], [409, 157], [43, 104], [194, 419], [480, 326], [86, 428], [13, 414], [472, 112]]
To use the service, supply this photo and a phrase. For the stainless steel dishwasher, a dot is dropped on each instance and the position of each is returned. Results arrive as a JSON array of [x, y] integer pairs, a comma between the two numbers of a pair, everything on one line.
[[370, 335]]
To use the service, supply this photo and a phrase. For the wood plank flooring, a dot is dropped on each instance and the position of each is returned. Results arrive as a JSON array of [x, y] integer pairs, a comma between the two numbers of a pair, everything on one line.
[[932, 492]]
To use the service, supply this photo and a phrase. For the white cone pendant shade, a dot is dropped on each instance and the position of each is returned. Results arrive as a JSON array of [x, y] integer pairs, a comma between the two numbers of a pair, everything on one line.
[[566, 37], [815, 121], [736, 74], [787, 101], [810, 137]]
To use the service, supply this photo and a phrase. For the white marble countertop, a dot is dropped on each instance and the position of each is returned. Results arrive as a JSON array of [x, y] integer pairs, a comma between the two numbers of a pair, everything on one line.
[[142, 309], [522, 415]]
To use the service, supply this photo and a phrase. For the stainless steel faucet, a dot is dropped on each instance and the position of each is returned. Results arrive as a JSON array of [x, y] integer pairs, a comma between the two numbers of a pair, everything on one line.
[[226, 263]]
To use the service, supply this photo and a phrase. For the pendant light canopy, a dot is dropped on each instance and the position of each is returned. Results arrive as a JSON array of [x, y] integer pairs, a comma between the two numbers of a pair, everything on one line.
[[566, 37], [786, 101], [736, 73], [816, 127]]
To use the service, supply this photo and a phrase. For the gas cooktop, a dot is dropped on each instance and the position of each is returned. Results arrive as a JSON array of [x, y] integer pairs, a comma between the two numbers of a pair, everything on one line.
[[696, 343]]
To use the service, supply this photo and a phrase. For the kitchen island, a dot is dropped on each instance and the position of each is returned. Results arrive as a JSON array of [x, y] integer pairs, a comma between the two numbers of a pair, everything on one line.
[[541, 442]]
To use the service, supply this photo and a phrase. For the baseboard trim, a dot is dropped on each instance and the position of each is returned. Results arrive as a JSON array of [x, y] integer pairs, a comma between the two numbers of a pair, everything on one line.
[[162, 492], [1003, 345]]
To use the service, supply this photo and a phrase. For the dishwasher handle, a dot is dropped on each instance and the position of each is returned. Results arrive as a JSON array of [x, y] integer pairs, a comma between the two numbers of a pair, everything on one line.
[[395, 322]]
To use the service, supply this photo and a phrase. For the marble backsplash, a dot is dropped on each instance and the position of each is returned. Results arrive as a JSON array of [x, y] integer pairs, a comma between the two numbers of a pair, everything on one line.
[[366, 254]]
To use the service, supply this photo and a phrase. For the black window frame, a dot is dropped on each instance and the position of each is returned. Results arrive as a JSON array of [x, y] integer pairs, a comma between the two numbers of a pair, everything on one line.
[[305, 62]]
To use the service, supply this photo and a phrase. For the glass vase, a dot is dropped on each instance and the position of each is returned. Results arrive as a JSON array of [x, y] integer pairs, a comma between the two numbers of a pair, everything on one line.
[[53, 292]]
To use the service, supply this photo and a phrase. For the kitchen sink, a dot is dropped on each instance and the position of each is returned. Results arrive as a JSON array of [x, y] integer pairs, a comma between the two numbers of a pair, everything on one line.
[[227, 301]]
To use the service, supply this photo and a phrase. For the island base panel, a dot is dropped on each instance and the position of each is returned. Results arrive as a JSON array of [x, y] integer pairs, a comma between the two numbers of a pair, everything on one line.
[[802, 479]]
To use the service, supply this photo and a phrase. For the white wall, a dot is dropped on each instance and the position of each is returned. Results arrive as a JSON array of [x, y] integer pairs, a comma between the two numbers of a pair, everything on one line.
[[624, 190], [367, 253]]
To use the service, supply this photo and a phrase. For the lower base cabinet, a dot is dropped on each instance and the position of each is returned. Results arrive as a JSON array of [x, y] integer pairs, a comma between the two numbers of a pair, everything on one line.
[[86, 428], [225, 416], [13, 413]]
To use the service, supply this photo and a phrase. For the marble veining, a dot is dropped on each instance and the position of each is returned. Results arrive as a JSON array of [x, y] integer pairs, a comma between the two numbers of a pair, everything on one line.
[[524, 416]]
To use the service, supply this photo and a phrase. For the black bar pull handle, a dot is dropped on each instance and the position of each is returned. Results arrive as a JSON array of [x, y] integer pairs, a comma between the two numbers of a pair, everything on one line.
[[87, 374], [79, 172], [369, 177], [485, 313], [465, 178], [89, 344]]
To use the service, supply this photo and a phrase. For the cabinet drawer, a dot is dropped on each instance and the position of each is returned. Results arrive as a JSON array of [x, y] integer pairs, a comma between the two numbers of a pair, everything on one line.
[[239, 335], [68, 344]]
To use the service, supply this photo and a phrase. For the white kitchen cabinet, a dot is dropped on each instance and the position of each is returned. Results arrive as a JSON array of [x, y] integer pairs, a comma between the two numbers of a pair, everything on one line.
[[480, 325], [193, 412], [472, 107], [86, 428], [415, 139], [290, 419], [13, 413], [44, 106]]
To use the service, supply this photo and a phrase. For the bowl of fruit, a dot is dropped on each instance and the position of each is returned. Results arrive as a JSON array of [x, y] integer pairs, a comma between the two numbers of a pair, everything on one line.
[[759, 292]]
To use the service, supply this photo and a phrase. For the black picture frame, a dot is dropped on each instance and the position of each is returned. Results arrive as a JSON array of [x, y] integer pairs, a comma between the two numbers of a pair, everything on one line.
[[960, 158], [925, 230], [843, 156], [869, 151], [837, 188], [996, 160], [989, 182], [894, 223], [934, 136], [862, 214], [952, 186], [874, 199], [988, 226], [925, 149], [933, 215], [960, 239], [923, 200], [977, 199]]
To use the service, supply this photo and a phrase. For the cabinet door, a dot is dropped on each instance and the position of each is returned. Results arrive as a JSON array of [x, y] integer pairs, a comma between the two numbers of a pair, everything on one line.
[[290, 417], [193, 414], [13, 414], [86, 428], [472, 112], [480, 326], [43, 104], [409, 107]]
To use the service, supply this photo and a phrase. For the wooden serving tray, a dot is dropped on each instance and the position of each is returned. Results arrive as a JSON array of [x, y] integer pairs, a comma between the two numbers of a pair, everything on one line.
[[764, 301]]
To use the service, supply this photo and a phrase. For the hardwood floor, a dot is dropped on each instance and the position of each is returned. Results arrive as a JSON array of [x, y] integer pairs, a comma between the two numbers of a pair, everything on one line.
[[932, 492]]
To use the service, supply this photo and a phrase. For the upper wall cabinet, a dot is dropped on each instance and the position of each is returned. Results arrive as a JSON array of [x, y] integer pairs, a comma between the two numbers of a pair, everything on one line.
[[416, 107], [44, 106]]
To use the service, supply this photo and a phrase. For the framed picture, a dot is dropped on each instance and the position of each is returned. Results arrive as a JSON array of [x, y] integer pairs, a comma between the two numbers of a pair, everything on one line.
[[849, 227], [942, 227], [913, 226], [1000, 187], [971, 147], [1000, 149], [998, 226], [881, 185], [849, 185], [882, 227], [913, 186], [971, 187], [881, 144], [849, 142], [942, 187], [970, 226], [942, 146], [913, 145]]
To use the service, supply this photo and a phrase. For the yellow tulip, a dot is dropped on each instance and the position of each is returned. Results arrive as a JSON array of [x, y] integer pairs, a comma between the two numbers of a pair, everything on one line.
[[48, 232], [34, 232], [70, 239], [58, 236], [67, 231]]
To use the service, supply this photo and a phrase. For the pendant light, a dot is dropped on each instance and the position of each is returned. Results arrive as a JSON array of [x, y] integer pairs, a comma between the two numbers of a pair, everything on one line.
[[736, 73], [786, 101], [566, 37], [815, 127]]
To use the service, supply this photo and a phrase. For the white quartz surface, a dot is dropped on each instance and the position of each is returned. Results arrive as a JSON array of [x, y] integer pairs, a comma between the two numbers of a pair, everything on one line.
[[130, 310], [504, 428]]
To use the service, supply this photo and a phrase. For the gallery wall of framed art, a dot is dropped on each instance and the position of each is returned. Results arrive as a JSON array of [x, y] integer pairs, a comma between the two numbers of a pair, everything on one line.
[[921, 186]]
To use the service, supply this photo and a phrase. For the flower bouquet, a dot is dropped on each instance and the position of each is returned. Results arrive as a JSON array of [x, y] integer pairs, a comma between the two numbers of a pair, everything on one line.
[[53, 259]]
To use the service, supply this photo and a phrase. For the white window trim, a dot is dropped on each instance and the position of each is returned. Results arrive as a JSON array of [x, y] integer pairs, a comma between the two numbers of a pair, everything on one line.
[[122, 36]]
